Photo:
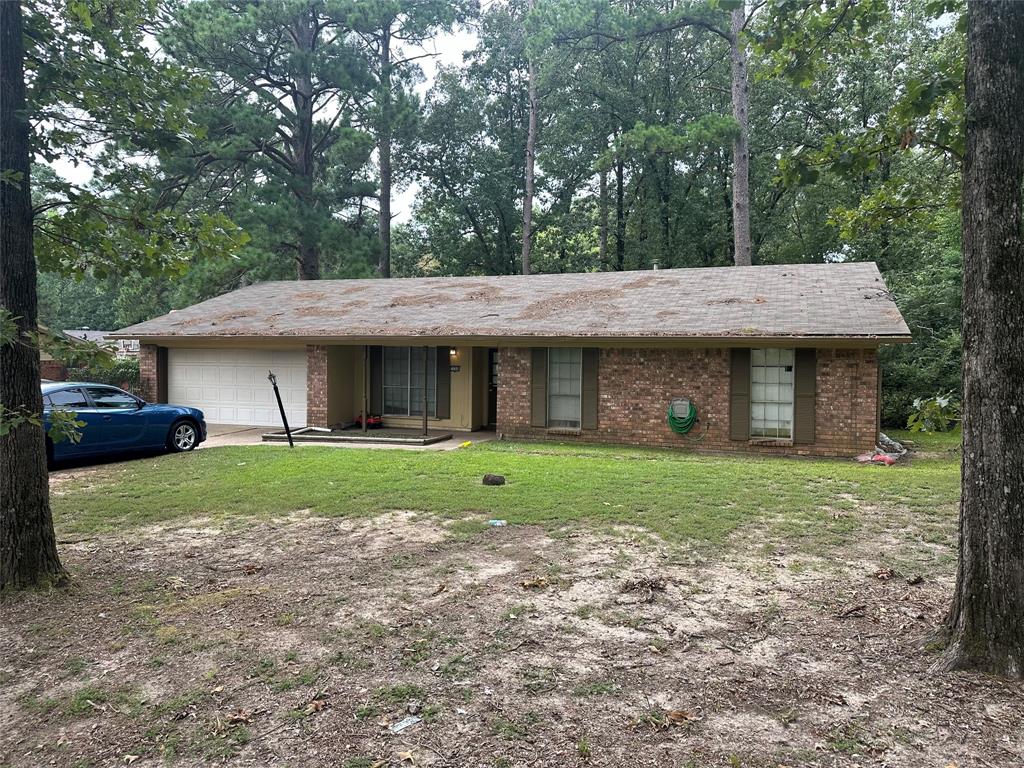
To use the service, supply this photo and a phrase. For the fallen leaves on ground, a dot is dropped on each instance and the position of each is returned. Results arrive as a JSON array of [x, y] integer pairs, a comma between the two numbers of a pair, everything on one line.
[[660, 720]]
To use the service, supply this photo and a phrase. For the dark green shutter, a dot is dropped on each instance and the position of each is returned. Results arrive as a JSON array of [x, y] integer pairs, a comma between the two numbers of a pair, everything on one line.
[[376, 381], [805, 385], [539, 387], [588, 400], [444, 384], [739, 395]]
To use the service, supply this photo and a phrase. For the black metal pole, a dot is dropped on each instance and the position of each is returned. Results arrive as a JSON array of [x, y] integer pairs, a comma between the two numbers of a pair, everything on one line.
[[280, 406]]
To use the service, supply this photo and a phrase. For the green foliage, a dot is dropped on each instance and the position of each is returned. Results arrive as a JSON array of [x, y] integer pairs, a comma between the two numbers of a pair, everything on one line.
[[76, 302], [94, 83], [856, 134], [940, 413], [923, 267], [795, 36], [8, 327], [651, 140], [286, 150], [123, 372], [63, 424]]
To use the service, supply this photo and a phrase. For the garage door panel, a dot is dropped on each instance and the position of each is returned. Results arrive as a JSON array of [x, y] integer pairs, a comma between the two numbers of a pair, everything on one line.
[[231, 387]]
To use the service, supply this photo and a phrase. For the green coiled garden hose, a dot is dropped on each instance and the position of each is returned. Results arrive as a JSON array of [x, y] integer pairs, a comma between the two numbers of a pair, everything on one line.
[[683, 424]]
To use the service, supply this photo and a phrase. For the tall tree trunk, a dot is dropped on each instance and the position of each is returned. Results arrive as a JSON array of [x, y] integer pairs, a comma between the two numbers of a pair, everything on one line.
[[740, 145], [28, 546], [531, 148], [384, 155], [620, 215], [308, 261], [986, 621], [602, 217], [302, 150], [665, 201]]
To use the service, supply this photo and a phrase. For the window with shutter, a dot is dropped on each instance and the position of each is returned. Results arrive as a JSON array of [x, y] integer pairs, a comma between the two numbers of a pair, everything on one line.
[[565, 387], [805, 388], [403, 371], [539, 387], [739, 395], [771, 393]]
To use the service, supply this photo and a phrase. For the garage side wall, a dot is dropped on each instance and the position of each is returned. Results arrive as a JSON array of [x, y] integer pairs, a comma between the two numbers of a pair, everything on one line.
[[635, 387], [316, 385], [150, 374]]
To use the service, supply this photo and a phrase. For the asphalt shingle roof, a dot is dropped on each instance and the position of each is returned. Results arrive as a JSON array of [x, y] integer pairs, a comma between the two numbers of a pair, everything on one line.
[[847, 300]]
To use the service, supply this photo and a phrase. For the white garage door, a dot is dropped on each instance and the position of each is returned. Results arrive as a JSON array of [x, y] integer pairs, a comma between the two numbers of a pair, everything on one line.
[[231, 387]]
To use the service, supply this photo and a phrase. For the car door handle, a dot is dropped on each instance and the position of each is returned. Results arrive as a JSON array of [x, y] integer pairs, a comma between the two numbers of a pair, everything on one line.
[[106, 418]]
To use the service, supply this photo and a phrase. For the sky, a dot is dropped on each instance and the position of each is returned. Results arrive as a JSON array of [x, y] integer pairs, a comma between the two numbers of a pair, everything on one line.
[[450, 49]]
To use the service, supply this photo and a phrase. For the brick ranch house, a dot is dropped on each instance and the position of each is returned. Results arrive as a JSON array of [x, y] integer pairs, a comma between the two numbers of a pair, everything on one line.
[[777, 359]]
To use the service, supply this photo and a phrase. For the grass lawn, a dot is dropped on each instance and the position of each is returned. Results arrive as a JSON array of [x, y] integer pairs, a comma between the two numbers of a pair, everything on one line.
[[679, 497], [257, 605], [942, 442]]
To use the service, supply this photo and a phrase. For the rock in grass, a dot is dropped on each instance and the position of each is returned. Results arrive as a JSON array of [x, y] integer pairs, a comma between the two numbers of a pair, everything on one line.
[[494, 479]]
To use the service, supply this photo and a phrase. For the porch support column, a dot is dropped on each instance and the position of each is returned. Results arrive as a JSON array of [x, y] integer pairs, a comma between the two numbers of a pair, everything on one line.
[[316, 385], [366, 388], [426, 367]]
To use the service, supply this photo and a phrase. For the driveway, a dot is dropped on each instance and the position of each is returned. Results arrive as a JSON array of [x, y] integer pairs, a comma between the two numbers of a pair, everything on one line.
[[233, 434]]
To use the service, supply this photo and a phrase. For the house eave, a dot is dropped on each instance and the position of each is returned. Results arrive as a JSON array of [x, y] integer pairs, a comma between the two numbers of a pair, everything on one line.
[[725, 340]]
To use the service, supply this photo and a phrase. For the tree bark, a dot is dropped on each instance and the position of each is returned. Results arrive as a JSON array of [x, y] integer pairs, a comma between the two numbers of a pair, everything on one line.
[[384, 156], [28, 546], [602, 217], [740, 145], [531, 147], [302, 149], [986, 621], [620, 215]]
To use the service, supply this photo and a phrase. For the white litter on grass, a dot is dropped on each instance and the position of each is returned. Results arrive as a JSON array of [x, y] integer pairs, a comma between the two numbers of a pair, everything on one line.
[[405, 722]]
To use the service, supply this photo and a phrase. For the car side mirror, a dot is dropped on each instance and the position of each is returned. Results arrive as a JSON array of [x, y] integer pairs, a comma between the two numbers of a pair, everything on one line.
[[140, 404]]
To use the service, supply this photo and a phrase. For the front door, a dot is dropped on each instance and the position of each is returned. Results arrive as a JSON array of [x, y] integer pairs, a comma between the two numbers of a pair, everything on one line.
[[492, 388]]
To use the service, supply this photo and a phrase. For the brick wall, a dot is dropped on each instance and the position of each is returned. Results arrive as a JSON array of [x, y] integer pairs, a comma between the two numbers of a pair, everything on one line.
[[316, 385], [148, 374], [635, 387], [53, 370]]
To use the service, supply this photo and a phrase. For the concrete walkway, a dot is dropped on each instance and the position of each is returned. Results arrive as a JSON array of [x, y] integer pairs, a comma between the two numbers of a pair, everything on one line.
[[234, 434]]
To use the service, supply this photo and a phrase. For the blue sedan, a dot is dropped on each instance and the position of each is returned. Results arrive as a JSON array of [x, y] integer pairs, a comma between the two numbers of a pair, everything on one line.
[[117, 422]]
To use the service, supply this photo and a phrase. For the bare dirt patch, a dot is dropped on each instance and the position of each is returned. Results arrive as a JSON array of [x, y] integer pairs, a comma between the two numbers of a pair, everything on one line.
[[303, 641]]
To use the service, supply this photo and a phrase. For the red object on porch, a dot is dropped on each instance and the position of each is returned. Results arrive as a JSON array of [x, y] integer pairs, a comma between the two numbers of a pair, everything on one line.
[[372, 422]]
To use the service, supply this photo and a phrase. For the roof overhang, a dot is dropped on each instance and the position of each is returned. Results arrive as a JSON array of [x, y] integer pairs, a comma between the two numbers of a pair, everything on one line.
[[524, 341]]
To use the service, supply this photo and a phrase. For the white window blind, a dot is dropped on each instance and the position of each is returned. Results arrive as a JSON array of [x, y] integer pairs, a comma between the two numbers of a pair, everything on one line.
[[565, 382], [771, 393]]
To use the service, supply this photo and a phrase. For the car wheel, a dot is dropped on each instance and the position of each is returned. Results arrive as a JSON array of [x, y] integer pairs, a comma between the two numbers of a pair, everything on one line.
[[49, 454], [183, 437]]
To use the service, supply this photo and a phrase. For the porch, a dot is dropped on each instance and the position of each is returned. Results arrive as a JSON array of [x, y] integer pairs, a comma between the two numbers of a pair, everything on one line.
[[408, 392], [354, 434]]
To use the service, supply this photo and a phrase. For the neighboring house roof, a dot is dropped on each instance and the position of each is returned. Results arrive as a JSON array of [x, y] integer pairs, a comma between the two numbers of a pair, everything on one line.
[[122, 345], [847, 300], [86, 335]]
